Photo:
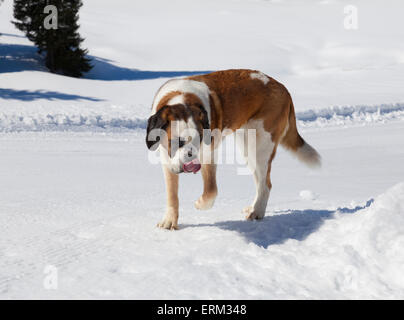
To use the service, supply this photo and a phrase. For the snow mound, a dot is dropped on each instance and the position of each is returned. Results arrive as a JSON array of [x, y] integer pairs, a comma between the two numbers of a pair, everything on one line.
[[350, 115], [307, 195], [360, 253], [69, 118], [117, 118]]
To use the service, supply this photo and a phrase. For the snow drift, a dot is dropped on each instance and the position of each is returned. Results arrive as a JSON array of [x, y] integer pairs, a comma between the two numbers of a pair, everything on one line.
[[117, 118], [359, 254]]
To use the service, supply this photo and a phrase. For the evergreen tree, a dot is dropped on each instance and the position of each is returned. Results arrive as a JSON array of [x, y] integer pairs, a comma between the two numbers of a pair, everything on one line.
[[61, 45]]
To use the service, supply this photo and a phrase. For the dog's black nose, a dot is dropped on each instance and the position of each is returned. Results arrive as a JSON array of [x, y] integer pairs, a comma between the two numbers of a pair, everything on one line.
[[190, 153]]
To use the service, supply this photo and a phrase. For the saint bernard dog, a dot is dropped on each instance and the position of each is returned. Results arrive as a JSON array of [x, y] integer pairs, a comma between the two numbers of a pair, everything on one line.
[[223, 101]]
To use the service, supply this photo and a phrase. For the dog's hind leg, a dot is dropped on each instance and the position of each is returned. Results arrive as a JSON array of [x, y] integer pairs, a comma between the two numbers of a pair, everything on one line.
[[207, 199], [259, 163], [264, 186]]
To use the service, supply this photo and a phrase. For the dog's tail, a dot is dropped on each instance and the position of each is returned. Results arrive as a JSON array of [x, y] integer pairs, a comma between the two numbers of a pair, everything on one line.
[[293, 142]]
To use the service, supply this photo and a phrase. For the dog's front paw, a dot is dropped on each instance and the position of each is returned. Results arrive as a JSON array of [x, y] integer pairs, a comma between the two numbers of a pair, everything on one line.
[[253, 214], [247, 209], [169, 225], [204, 202], [169, 222]]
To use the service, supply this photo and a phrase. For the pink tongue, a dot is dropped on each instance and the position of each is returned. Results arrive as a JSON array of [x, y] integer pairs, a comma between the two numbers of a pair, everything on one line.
[[192, 166]]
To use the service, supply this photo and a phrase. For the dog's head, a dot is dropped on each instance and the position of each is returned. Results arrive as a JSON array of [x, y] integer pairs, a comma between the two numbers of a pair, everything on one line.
[[178, 130]]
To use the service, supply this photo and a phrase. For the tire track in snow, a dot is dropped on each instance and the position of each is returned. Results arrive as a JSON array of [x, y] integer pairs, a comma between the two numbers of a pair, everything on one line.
[[58, 248]]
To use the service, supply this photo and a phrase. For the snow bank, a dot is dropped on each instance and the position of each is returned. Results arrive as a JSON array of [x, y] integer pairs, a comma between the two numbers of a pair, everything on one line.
[[107, 117], [359, 255], [350, 115], [69, 118]]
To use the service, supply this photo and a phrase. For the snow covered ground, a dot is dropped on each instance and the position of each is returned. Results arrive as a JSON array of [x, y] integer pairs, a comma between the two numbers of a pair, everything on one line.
[[78, 195], [89, 203]]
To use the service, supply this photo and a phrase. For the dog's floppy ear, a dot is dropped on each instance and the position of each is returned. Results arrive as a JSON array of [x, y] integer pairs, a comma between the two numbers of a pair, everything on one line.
[[207, 137], [204, 119], [155, 122]]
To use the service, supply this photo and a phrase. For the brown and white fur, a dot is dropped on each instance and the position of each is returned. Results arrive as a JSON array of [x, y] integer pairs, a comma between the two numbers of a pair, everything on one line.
[[226, 100]]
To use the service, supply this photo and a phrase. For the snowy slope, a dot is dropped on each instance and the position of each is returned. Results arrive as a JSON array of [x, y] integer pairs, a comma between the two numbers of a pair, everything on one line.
[[138, 44], [77, 191]]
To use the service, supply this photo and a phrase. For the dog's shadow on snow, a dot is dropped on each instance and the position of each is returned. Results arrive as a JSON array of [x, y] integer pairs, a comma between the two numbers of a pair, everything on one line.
[[278, 228]]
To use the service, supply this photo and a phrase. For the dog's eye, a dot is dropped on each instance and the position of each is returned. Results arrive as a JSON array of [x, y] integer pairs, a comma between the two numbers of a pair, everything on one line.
[[177, 143]]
